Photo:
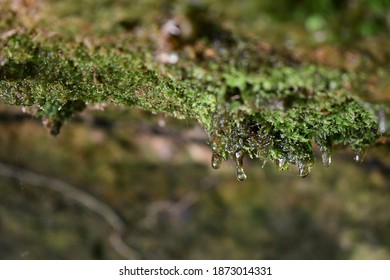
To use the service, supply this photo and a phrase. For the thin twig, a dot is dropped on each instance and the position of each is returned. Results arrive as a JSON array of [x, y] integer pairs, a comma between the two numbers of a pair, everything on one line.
[[83, 198]]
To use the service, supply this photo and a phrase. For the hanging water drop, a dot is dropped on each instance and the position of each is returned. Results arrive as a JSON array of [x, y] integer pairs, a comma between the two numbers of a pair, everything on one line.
[[326, 159], [215, 161], [241, 176], [214, 146], [303, 169], [326, 155], [359, 157], [282, 163], [382, 121], [239, 155]]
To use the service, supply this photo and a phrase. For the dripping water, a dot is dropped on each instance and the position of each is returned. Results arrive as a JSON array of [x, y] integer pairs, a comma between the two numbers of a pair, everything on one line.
[[382, 121], [215, 161], [282, 163], [303, 169], [241, 176], [326, 155], [359, 157], [239, 155]]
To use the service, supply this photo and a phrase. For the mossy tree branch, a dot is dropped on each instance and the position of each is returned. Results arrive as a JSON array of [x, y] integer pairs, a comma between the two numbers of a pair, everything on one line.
[[252, 99]]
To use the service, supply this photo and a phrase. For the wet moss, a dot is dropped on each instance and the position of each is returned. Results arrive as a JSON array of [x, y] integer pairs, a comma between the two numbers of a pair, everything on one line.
[[55, 114], [253, 101]]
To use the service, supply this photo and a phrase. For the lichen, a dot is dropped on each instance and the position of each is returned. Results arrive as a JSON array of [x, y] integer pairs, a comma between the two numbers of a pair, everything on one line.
[[252, 100]]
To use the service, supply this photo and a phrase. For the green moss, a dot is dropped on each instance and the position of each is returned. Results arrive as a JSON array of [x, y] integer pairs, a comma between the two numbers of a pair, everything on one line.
[[254, 102], [277, 115], [55, 114]]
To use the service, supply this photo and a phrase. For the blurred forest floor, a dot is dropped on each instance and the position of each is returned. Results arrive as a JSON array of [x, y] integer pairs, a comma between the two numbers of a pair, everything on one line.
[[152, 174]]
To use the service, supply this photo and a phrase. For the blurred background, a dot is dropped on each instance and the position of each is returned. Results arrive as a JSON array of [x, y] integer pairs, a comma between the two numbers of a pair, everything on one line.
[[124, 183], [172, 205]]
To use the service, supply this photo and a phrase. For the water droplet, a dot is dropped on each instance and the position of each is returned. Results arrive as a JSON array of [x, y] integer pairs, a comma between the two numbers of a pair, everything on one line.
[[214, 146], [326, 159], [359, 157], [326, 155], [303, 169], [382, 121], [282, 163], [241, 176], [215, 161], [239, 155]]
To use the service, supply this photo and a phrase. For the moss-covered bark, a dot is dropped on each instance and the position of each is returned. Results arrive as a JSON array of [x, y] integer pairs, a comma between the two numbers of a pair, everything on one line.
[[251, 98]]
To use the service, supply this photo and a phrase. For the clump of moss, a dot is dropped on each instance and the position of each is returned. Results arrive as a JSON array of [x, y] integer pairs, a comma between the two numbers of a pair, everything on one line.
[[55, 114], [253, 101], [277, 114]]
